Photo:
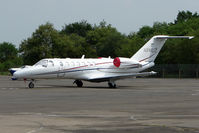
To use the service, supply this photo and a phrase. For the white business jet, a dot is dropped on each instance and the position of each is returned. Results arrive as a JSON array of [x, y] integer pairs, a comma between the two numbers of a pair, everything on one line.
[[95, 70]]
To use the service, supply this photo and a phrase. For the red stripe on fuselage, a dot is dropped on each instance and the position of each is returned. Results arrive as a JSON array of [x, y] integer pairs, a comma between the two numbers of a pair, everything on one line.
[[146, 58], [103, 63]]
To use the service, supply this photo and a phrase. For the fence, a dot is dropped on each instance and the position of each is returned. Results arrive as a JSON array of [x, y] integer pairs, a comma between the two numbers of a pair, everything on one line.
[[176, 70]]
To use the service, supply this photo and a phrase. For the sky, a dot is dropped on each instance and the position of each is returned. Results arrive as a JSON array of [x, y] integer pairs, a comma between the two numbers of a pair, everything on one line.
[[20, 18]]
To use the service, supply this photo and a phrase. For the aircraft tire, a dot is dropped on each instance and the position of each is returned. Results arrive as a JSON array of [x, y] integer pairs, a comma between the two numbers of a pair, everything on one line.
[[79, 83], [111, 85], [31, 85]]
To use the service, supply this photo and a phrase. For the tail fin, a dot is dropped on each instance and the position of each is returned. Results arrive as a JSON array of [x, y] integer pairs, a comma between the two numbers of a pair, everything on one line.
[[151, 49]]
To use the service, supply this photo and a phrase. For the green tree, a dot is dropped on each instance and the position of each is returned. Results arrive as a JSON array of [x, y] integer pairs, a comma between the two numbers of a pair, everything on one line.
[[105, 39], [184, 16], [160, 28], [7, 52], [82, 47], [65, 46], [79, 28], [131, 46], [145, 32], [9, 56], [39, 45]]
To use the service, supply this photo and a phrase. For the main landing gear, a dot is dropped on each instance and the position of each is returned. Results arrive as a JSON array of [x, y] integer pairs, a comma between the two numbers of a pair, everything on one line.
[[111, 84], [79, 83]]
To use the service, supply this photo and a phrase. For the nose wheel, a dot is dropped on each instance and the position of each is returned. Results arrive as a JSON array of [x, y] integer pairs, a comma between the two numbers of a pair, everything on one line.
[[79, 83], [31, 85]]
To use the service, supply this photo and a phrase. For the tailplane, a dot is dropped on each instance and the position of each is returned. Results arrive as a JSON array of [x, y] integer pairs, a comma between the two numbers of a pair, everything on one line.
[[151, 49]]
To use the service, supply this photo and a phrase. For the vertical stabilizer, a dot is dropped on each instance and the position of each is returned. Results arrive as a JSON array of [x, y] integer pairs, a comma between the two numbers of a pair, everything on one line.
[[151, 49]]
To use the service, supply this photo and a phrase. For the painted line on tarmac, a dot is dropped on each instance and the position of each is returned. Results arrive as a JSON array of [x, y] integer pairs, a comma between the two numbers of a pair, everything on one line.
[[195, 94], [37, 130], [171, 116], [75, 115], [9, 88], [133, 118]]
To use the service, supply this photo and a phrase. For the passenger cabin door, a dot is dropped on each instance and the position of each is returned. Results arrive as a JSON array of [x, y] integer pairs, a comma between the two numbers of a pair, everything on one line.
[[61, 72]]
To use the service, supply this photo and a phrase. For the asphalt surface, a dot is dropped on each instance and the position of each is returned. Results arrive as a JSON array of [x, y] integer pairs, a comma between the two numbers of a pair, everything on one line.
[[137, 105]]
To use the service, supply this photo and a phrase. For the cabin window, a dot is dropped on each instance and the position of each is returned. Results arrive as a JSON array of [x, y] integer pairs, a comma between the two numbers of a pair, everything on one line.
[[77, 64], [50, 63], [93, 63], [61, 64], [88, 63], [72, 64], [67, 64], [83, 64]]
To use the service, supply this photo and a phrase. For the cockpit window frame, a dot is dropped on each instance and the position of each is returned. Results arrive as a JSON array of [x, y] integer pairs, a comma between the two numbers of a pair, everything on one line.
[[43, 63]]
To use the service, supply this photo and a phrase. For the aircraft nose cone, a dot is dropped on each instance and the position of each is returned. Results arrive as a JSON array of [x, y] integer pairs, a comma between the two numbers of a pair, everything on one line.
[[18, 74], [12, 71], [15, 74], [21, 74]]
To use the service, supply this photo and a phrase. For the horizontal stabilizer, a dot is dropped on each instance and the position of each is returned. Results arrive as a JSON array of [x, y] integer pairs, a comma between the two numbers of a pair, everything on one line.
[[173, 37]]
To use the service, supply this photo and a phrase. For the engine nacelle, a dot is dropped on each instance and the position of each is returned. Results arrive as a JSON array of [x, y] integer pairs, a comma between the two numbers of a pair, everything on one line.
[[125, 63]]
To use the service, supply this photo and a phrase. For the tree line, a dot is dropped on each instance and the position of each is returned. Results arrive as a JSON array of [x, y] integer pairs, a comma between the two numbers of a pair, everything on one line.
[[104, 40]]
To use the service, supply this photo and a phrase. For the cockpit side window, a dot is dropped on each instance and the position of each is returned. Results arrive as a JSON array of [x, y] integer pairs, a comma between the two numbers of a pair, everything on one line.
[[43, 63]]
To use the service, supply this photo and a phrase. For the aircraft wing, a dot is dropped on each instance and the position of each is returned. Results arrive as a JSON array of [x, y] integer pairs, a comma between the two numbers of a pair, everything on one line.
[[120, 76]]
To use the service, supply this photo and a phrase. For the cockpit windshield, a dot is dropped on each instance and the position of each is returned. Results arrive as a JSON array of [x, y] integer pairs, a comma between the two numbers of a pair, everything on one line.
[[43, 63]]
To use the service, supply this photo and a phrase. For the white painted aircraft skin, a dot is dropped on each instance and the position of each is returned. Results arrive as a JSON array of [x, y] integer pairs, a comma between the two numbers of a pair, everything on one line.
[[95, 70]]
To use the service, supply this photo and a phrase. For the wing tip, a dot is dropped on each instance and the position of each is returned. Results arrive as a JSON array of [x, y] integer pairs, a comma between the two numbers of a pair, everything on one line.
[[191, 37]]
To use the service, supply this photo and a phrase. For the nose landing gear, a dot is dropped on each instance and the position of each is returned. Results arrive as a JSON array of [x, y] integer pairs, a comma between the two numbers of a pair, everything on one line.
[[79, 83], [31, 85]]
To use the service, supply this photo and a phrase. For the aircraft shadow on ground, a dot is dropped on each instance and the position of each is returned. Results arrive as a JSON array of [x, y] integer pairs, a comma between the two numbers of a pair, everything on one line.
[[84, 87]]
